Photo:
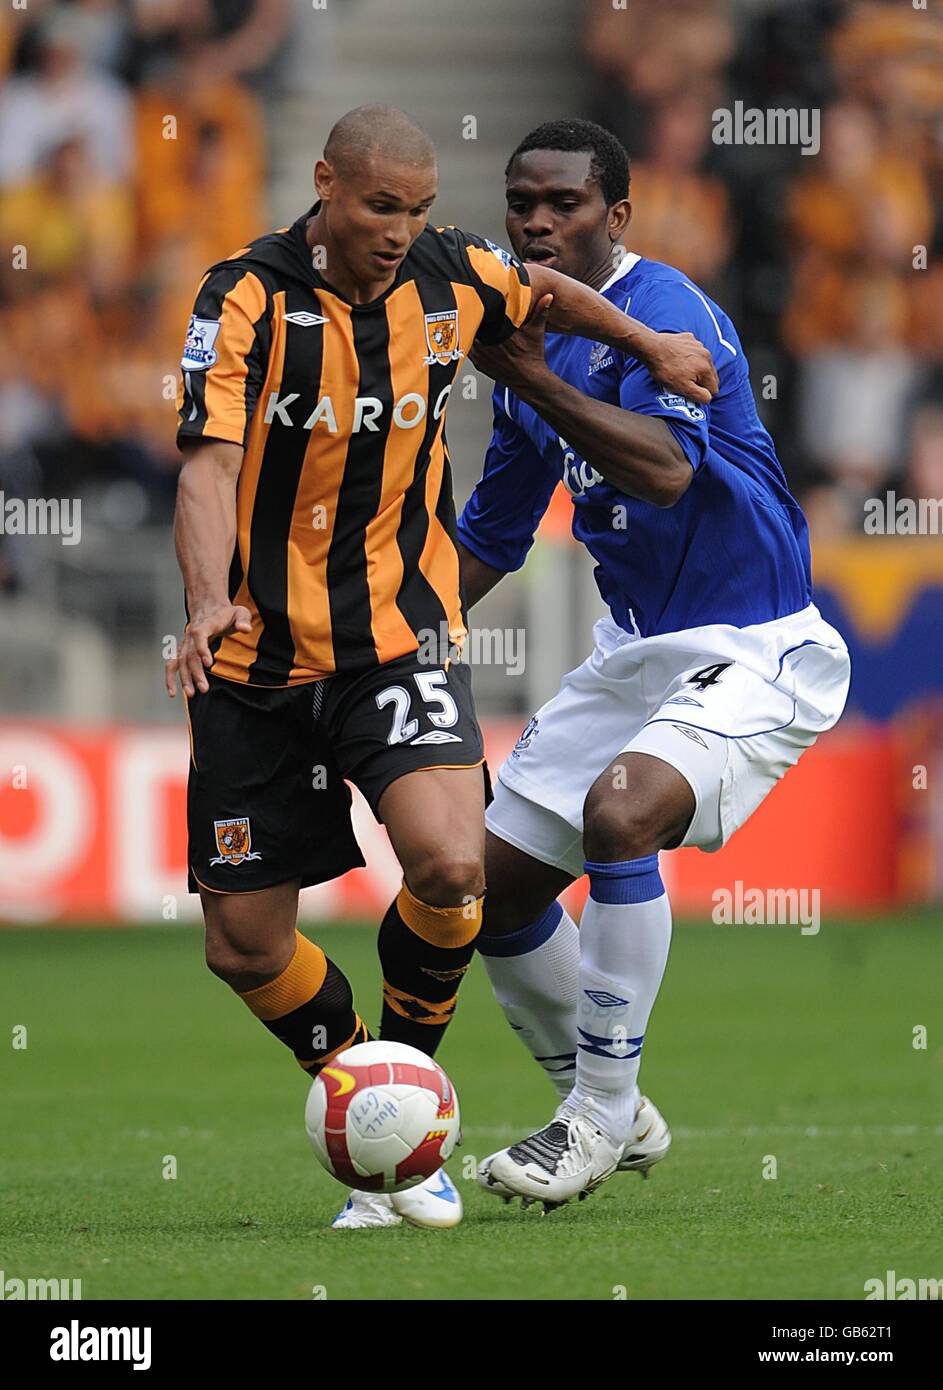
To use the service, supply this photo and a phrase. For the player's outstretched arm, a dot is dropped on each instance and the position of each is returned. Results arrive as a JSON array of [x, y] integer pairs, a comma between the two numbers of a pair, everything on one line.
[[204, 534], [677, 359], [634, 452]]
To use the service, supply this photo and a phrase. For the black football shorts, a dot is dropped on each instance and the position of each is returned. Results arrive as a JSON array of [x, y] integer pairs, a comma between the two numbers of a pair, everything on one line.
[[267, 799]]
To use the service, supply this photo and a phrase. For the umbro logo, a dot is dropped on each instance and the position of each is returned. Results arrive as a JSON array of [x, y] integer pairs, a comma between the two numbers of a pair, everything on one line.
[[304, 319], [690, 733], [437, 736], [604, 999]]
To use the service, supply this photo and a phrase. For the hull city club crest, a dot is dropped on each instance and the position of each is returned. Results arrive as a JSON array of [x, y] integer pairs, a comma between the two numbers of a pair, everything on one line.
[[442, 337], [234, 841]]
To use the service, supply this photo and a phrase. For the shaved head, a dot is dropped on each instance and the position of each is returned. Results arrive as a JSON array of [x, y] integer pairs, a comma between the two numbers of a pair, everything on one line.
[[377, 132], [375, 186]]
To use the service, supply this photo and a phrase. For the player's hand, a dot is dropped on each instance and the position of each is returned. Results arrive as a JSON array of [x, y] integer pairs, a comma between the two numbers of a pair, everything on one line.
[[681, 362], [194, 657], [520, 358]]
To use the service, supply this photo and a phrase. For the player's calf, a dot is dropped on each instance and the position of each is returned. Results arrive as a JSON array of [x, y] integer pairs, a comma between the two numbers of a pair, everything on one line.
[[286, 981], [638, 806], [250, 937], [424, 951], [530, 948], [435, 819]]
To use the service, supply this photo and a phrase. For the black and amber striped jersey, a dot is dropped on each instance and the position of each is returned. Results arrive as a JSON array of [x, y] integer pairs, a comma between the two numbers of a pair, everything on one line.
[[345, 552]]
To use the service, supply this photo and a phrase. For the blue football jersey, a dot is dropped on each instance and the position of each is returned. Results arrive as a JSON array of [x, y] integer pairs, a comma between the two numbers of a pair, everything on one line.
[[734, 548]]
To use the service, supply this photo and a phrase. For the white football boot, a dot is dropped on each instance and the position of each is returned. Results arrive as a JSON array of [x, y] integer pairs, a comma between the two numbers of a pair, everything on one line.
[[647, 1144], [489, 1182], [649, 1141], [434, 1204], [365, 1209], [567, 1158]]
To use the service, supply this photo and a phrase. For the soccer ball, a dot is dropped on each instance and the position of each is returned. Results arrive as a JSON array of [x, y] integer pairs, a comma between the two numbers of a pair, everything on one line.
[[382, 1117]]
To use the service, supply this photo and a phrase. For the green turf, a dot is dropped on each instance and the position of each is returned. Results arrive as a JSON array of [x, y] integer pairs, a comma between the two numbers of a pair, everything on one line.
[[764, 1042]]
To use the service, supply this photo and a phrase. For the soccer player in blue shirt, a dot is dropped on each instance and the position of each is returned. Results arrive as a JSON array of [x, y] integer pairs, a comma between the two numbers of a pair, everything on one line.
[[709, 678]]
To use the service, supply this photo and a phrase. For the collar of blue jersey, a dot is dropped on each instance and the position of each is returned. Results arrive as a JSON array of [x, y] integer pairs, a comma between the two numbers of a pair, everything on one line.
[[629, 261]]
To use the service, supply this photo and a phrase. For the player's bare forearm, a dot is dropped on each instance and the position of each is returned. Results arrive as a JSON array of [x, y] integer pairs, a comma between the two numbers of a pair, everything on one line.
[[205, 521], [636, 453], [677, 359], [205, 534], [580, 310], [478, 578]]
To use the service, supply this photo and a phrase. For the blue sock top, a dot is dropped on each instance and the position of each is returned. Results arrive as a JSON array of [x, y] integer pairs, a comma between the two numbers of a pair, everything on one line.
[[519, 943], [626, 881]]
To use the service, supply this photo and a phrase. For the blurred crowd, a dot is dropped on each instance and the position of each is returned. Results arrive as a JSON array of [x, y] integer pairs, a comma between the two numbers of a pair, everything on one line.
[[134, 150], [132, 155], [831, 265]]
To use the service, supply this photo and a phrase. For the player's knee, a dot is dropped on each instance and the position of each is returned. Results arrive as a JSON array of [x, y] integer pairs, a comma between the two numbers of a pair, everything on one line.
[[618, 826], [240, 965], [447, 880]]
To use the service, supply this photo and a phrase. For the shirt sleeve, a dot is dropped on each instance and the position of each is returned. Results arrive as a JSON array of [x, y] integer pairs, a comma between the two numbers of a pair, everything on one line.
[[502, 285], [224, 357], [502, 514], [673, 307]]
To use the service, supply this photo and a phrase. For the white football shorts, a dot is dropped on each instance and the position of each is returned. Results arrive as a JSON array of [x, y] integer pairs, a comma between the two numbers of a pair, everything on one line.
[[732, 709]]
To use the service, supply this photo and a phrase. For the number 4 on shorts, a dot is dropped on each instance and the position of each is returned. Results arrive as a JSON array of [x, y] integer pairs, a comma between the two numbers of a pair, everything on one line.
[[708, 675]]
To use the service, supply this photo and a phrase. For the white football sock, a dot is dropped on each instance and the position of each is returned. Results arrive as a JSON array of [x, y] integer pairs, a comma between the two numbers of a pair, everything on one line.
[[624, 934], [535, 977]]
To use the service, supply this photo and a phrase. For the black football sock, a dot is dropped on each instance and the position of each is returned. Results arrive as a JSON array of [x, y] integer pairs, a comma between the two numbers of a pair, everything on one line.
[[309, 1007], [424, 952]]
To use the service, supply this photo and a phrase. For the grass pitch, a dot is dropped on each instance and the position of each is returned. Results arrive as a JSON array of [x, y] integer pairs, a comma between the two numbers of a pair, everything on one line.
[[765, 1045]]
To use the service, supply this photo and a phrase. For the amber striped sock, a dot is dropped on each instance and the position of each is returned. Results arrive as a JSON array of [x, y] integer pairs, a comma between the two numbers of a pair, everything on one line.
[[309, 1007], [424, 952]]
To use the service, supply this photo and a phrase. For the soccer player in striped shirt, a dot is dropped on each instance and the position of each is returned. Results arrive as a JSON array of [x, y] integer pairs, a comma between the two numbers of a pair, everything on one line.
[[315, 530]]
